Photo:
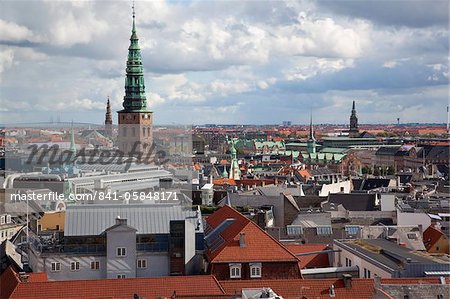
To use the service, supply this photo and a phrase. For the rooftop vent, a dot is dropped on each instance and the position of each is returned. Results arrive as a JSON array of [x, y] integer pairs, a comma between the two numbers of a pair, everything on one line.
[[347, 280]]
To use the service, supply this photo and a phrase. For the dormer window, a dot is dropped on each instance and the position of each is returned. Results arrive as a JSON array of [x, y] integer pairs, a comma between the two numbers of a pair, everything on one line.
[[235, 270], [255, 270], [2, 220], [8, 218]]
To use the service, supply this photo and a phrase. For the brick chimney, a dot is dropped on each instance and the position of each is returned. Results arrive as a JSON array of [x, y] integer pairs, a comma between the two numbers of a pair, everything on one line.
[[242, 240], [347, 278]]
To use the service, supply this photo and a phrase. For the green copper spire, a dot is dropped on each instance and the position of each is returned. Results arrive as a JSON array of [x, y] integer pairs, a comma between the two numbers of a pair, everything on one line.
[[134, 99], [73, 147]]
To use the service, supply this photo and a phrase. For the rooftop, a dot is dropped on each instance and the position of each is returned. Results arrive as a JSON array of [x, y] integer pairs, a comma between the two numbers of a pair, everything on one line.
[[92, 220]]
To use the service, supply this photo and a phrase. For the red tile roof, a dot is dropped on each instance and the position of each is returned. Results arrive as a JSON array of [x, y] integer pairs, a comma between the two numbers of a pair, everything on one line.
[[109, 288], [431, 236], [200, 286], [319, 288], [309, 288], [315, 260], [259, 246]]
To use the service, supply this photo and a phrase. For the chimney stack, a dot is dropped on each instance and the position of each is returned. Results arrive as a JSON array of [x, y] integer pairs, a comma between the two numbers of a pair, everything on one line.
[[23, 277], [347, 280], [121, 221], [242, 240]]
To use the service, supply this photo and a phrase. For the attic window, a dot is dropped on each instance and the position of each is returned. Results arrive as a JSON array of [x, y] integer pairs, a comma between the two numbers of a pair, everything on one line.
[[8, 218], [351, 230], [255, 270], [412, 236], [294, 230], [324, 230], [235, 270]]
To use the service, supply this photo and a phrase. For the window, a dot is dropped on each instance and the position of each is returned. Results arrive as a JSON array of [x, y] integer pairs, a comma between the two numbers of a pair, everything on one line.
[[8, 218], [440, 296], [352, 229], [95, 265], [56, 266], [348, 262], [366, 273], [324, 230], [121, 276], [294, 230], [121, 251], [141, 263], [2, 234], [74, 266], [235, 270], [2, 220], [255, 270], [412, 236]]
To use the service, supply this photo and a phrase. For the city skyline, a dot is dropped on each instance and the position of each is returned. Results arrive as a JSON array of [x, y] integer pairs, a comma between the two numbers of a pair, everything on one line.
[[208, 63]]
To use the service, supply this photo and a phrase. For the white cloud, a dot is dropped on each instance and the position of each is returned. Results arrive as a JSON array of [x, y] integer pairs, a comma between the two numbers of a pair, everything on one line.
[[10, 31]]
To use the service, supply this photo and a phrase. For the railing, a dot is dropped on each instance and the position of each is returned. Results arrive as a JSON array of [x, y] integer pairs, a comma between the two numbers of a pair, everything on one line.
[[153, 247]]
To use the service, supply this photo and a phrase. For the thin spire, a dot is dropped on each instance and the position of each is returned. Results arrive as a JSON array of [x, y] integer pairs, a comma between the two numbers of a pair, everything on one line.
[[134, 16], [311, 128], [353, 107]]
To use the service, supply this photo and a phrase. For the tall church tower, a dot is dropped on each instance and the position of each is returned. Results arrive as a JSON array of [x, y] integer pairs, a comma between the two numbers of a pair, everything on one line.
[[108, 119], [311, 144], [354, 131], [135, 121]]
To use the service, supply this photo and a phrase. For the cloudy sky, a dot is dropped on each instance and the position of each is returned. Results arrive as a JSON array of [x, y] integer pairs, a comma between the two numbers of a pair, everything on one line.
[[228, 61]]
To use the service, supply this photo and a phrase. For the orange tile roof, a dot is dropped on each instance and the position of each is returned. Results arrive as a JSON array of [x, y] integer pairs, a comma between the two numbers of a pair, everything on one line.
[[304, 173], [316, 260], [259, 246], [110, 288], [224, 181]]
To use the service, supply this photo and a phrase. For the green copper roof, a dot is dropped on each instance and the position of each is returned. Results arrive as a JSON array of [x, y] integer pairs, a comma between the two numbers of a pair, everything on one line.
[[134, 99]]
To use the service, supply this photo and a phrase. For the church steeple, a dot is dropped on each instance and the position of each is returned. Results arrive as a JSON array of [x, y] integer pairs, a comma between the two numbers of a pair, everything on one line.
[[354, 132], [311, 144], [134, 134], [108, 115], [134, 99], [108, 119]]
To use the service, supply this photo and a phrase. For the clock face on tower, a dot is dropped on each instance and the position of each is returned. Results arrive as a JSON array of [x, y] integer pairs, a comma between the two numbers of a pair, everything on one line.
[[128, 117]]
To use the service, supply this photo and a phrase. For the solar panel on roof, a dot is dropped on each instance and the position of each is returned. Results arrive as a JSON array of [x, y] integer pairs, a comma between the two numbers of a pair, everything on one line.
[[213, 238]]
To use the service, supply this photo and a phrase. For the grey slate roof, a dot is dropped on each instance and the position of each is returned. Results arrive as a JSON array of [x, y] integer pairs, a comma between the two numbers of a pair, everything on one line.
[[354, 201], [91, 220]]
